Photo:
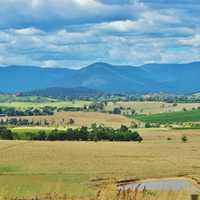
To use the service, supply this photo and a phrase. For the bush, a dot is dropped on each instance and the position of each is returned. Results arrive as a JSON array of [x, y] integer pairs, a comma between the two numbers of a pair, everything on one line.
[[6, 134], [147, 125], [184, 139], [117, 111]]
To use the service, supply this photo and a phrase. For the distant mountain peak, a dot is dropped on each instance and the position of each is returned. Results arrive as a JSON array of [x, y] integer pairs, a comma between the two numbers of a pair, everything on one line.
[[99, 65]]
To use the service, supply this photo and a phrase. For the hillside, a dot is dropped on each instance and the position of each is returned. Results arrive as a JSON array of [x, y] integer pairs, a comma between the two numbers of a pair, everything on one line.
[[170, 78], [57, 92]]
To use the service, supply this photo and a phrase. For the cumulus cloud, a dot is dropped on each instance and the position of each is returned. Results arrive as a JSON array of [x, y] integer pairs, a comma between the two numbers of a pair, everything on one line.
[[53, 14], [192, 41], [75, 33]]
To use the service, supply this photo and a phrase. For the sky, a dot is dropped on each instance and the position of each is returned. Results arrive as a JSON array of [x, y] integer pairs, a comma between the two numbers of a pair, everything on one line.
[[76, 33]]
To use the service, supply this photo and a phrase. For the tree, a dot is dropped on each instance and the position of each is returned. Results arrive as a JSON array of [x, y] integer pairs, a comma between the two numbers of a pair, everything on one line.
[[134, 124], [117, 111], [184, 139], [83, 133], [53, 135], [41, 135], [133, 112], [147, 125], [71, 121], [6, 134], [123, 128]]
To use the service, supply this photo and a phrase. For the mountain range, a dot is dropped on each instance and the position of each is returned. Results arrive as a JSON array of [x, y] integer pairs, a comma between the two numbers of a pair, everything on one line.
[[149, 78]]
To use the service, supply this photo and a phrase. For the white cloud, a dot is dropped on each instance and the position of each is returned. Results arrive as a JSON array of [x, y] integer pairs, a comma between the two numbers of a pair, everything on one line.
[[28, 31], [192, 41], [57, 33], [53, 14], [74, 49]]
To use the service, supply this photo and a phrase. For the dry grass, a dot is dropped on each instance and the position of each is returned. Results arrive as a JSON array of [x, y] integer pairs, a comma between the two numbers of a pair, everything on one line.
[[111, 193], [81, 119], [79, 168], [141, 107], [153, 107], [161, 135]]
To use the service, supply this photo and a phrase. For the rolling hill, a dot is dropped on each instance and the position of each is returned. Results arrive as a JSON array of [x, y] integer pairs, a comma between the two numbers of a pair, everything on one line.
[[170, 78], [58, 92]]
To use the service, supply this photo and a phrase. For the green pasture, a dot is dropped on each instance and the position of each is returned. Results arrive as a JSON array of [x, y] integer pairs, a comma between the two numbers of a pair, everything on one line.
[[172, 117]]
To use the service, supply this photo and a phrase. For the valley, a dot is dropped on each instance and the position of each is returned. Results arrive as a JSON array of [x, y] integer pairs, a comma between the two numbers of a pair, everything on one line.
[[40, 167]]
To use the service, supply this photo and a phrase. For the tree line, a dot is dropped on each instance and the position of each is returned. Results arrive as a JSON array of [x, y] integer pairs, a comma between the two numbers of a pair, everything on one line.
[[95, 133], [22, 122], [46, 110], [11, 111]]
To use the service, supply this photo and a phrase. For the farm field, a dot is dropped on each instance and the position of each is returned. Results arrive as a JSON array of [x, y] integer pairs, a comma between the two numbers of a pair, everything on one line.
[[13, 98], [173, 117], [24, 105], [146, 107], [30, 168], [35, 129], [149, 107], [61, 119]]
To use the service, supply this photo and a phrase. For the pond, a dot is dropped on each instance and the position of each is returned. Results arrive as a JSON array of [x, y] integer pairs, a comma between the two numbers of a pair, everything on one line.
[[162, 185]]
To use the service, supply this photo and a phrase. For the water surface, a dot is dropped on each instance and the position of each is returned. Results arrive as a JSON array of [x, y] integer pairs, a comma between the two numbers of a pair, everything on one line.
[[162, 185]]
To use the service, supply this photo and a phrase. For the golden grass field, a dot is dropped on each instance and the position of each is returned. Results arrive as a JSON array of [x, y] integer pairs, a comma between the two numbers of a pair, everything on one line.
[[81, 119], [110, 193], [79, 169], [148, 107]]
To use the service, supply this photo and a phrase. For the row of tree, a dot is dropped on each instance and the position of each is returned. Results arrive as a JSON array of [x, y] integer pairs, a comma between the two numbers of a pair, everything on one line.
[[95, 133], [23, 122], [47, 110], [11, 111]]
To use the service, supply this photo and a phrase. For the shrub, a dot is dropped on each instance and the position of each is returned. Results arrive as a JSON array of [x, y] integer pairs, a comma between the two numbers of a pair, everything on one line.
[[147, 125], [184, 139], [117, 111], [6, 134]]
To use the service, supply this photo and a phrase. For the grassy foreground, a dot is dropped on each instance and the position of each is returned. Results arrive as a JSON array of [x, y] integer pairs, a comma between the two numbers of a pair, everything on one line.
[[110, 193], [81, 168]]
